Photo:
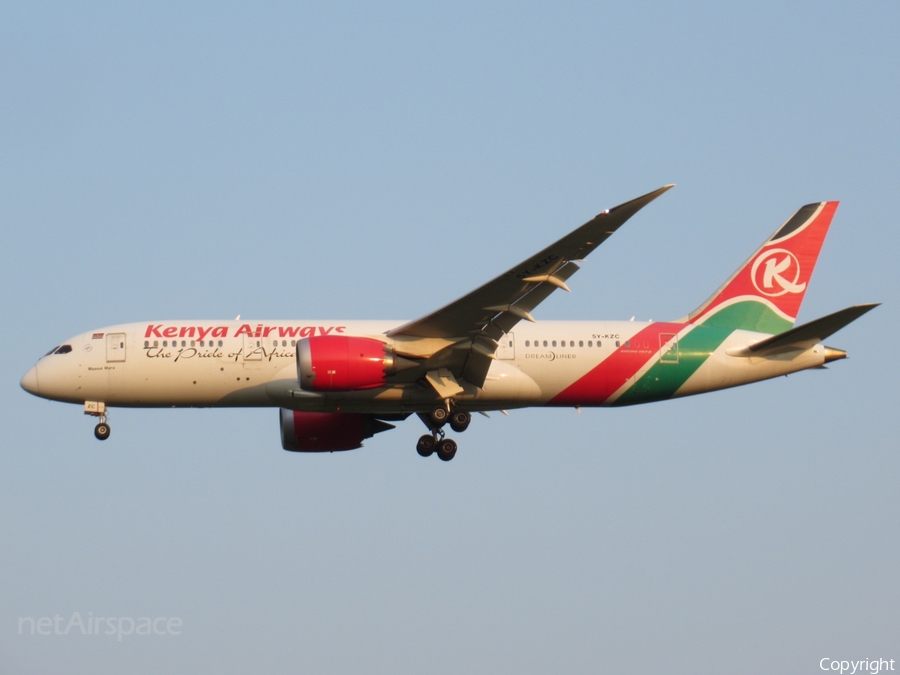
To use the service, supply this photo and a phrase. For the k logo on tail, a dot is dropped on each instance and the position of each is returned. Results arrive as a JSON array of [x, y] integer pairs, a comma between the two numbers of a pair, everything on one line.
[[777, 272]]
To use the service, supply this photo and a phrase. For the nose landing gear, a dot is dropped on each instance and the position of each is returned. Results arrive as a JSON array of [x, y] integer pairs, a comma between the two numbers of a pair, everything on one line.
[[101, 431], [98, 409]]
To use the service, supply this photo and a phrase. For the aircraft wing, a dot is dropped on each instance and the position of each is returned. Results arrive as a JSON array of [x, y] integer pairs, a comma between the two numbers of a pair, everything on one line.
[[484, 315]]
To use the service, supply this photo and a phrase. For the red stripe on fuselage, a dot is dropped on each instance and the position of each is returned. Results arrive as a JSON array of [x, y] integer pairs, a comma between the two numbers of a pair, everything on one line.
[[615, 370]]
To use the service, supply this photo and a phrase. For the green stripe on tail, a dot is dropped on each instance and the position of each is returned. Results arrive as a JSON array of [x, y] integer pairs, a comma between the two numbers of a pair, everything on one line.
[[752, 315]]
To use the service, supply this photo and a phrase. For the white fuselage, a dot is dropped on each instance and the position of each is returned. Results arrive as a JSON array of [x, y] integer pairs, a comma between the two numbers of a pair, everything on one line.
[[235, 363]]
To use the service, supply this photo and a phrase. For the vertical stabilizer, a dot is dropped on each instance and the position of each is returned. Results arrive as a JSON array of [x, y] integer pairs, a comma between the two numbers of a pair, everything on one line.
[[766, 291]]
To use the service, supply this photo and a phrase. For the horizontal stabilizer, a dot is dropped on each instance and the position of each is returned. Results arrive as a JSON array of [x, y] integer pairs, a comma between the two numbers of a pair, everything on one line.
[[807, 334]]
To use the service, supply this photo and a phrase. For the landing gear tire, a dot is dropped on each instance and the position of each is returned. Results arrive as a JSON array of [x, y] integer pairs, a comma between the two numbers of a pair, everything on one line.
[[425, 446], [446, 450], [101, 431], [459, 421], [439, 416]]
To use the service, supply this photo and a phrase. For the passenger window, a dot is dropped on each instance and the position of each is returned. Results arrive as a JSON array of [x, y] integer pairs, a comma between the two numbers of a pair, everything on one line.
[[590, 343], [571, 343], [617, 343], [156, 343], [146, 344], [581, 343], [545, 343], [293, 343], [220, 343], [554, 343]]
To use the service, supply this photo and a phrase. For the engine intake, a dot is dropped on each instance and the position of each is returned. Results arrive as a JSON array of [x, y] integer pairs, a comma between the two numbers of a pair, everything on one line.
[[327, 431], [345, 363]]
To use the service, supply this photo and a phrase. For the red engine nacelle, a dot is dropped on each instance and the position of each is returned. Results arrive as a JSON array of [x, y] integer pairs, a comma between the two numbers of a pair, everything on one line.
[[342, 363], [327, 431]]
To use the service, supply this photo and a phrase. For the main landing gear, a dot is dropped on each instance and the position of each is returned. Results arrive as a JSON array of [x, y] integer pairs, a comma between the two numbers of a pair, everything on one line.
[[435, 442]]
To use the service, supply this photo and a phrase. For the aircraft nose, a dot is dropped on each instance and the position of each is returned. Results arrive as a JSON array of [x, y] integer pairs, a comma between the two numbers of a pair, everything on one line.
[[29, 381]]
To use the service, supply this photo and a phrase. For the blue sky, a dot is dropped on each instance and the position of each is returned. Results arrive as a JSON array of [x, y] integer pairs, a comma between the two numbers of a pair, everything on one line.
[[169, 161]]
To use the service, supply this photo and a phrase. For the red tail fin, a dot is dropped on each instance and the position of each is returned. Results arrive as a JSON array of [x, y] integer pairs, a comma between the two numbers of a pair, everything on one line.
[[765, 293]]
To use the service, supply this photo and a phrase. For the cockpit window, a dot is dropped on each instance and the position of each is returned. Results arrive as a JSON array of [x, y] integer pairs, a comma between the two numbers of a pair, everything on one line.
[[51, 351], [65, 349]]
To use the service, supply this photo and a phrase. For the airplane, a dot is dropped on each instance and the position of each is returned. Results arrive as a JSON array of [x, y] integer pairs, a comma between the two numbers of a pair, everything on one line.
[[337, 383]]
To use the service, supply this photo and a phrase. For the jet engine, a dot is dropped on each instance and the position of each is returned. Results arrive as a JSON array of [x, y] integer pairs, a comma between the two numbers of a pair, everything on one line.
[[345, 363], [327, 431]]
